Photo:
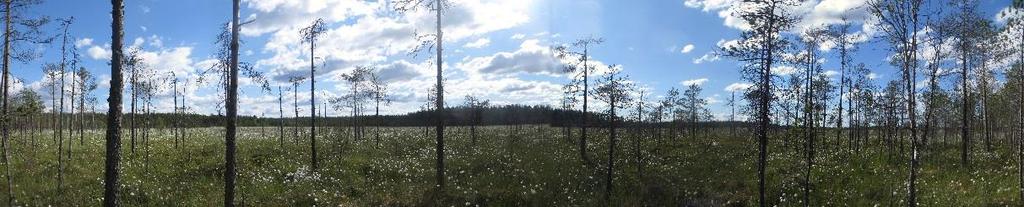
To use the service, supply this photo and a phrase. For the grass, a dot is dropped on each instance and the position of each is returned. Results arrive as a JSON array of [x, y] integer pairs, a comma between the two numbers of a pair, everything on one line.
[[536, 166]]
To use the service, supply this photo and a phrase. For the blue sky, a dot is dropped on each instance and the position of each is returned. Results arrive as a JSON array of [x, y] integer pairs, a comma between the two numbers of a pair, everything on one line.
[[496, 49]]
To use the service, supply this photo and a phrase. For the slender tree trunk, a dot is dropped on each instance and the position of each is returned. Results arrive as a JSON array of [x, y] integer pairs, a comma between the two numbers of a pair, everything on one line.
[[5, 113], [586, 116], [1020, 116], [965, 134], [312, 104], [280, 120], [232, 110], [176, 128], [439, 104], [113, 144], [611, 153], [376, 114], [60, 112], [295, 104]]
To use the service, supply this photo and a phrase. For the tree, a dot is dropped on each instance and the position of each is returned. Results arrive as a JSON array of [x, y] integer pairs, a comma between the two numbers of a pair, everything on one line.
[[936, 40], [87, 84], [964, 24], [310, 34], [898, 21], [355, 99], [113, 144], [436, 6], [613, 89], [1016, 22], [812, 39], [475, 106], [232, 109], [379, 93], [845, 45], [65, 24], [295, 80], [280, 119], [669, 103], [759, 48], [18, 29], [176, 110], [579, 52], [637, 139], [135, 64], [693, 107]]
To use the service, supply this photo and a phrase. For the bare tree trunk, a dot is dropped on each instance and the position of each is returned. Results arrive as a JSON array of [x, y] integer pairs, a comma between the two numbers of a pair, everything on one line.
[[280, 120], [60, 112], [113, 144], [611, 153], [5, 113], [439, 105], [232, 112], [312, 103]]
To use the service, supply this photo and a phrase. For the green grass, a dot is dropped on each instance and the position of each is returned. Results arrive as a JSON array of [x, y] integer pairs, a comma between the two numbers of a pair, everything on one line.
[[536, 167]]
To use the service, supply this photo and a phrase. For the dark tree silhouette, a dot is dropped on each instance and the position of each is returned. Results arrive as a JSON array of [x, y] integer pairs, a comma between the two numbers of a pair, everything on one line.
[[476, 107], [64, 24], [379, 93], [310, 35], [760, 48], [18, 29], [232, 112], [113, 145], [845, 45], [280, 119], [812, 39], [613, 89], [438, 7], [295, 104], [579, 52]]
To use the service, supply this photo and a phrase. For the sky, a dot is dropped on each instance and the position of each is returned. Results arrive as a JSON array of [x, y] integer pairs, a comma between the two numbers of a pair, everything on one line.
[[498, 50]]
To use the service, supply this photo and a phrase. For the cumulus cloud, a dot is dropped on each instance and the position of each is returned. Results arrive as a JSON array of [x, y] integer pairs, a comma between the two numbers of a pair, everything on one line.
[[401, 71], [531, 57], [83, 42], [365, 33], [813, 13], [698, 82], [99, 53]]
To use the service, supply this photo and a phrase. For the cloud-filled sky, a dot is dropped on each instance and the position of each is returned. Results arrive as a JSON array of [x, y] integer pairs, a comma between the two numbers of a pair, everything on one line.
[[494, 49]]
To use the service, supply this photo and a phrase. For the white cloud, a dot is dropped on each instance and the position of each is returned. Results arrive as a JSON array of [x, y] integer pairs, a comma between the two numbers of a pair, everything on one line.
[[738, 87], [366, 33], [99, 53], [707, 57], [698, 82], [479, 43], [531, 57], [812, 12], [83, 42], [687, 49], [402, 71], [518, 36]]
